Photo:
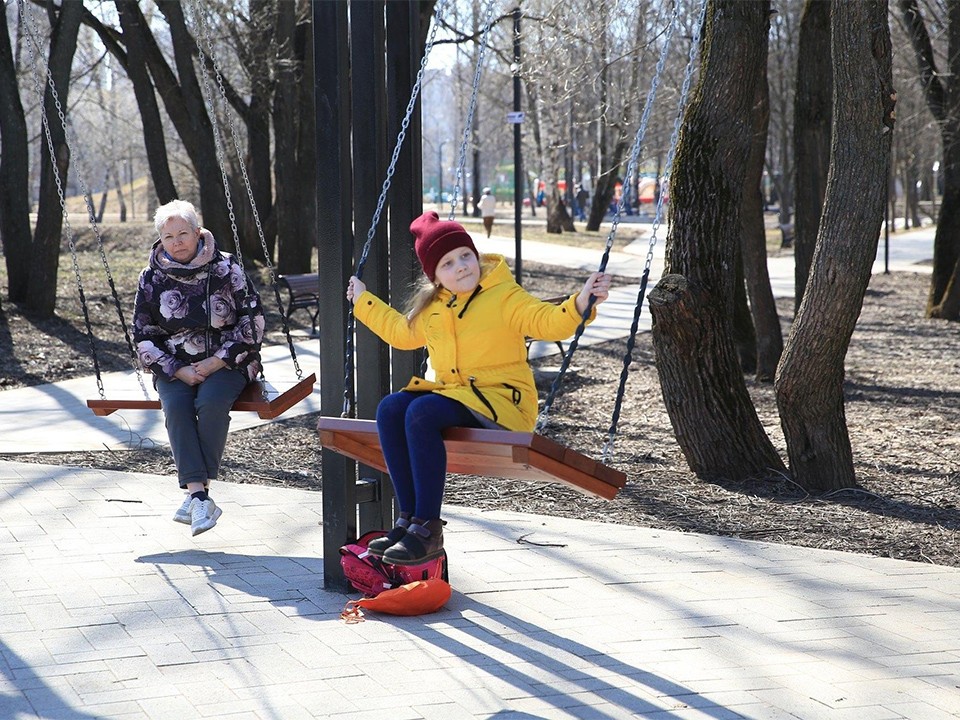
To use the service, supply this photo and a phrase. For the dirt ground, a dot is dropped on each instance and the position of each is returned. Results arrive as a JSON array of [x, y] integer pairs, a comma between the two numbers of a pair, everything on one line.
[[902, 408]]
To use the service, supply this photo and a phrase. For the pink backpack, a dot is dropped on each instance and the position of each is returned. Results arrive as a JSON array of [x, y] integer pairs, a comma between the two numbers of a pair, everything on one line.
[[368, 574]]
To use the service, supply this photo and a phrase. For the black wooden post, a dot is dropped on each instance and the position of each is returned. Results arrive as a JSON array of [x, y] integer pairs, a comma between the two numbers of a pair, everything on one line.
[[518, 178], [365, 72], [334, 242], [368, 71]]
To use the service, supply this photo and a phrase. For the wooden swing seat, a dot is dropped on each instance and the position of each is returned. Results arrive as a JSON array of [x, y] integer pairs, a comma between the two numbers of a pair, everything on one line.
[[258, 396], [492, 453]]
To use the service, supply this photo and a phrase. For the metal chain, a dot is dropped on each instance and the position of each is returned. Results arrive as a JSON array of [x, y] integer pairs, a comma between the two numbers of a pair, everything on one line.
[[631, 168], [468, 126], [88, 199], [348, 408], [204, 36], [668, 168]]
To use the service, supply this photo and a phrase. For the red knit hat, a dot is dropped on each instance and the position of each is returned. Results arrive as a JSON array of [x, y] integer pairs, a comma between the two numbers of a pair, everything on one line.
[[434, 238]]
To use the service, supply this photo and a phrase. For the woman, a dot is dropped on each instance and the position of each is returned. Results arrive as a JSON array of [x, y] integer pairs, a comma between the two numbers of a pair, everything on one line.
[[198, 324]]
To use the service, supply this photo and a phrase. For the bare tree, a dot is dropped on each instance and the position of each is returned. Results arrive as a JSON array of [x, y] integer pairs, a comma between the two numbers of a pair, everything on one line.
[[763, 308], [809, 381], [781, 73], [14, 171], [710, 409], [942, 88], [811, 133], [41, 294], [139, 42]]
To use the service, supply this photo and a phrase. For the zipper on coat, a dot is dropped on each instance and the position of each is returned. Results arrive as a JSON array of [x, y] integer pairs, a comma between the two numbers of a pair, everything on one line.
[[482, 398], [206, 331]]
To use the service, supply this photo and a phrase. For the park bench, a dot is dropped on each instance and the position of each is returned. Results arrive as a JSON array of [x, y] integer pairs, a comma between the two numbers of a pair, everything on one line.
[[556, 300], [304, 293]]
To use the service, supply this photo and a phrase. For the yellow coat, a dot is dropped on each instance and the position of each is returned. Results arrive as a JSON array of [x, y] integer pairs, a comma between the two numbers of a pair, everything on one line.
[[478, 352]]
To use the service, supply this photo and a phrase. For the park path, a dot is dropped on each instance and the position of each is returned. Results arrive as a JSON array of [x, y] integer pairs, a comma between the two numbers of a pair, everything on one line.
[[109, 610]]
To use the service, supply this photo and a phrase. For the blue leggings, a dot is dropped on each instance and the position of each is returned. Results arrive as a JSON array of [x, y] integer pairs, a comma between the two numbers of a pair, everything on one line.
[[197, 419], [410, 425]]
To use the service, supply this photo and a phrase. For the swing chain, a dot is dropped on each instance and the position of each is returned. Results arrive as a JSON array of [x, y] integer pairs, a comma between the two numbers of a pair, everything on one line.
[[204, 36], [88, 201], [668, 169], [631, 169], [468, 126], [365, 251]]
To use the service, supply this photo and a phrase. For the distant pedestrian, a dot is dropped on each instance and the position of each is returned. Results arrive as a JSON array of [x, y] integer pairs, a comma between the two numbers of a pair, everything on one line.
[[582, 197], [488, 206]]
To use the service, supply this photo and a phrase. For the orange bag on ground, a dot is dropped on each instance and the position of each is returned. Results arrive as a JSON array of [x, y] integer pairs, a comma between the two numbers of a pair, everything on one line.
[[416, 598]]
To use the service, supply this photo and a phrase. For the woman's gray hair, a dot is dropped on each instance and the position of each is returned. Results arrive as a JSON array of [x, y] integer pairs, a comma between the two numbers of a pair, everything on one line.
[[176, 209]]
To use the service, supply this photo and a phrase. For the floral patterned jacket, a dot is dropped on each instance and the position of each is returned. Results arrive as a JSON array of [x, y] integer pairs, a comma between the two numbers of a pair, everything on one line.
[[185, 313]]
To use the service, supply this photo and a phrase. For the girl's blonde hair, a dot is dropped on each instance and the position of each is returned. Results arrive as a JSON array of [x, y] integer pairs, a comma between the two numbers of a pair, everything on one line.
[[425, 291]]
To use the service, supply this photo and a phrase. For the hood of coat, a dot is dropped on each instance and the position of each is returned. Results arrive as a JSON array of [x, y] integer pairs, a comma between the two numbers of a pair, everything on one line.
[[206, 252]]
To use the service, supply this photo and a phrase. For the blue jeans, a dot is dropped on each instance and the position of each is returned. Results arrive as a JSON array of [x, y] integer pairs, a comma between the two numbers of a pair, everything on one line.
[[410, 426], [197, 419]]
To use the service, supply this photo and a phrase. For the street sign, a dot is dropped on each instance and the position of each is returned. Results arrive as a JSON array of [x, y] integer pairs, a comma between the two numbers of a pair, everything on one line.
[[515, 118]]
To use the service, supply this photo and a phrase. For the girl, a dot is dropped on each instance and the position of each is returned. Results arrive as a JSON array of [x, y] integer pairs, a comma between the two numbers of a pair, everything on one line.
[[473, 318]]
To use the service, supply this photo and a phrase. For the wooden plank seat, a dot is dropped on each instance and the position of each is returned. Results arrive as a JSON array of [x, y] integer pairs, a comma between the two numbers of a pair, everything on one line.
[[492, 453], [304, 294], [258, 396]]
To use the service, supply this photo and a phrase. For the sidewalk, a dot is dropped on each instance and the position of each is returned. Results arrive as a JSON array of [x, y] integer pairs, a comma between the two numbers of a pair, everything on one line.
[[110, 610]]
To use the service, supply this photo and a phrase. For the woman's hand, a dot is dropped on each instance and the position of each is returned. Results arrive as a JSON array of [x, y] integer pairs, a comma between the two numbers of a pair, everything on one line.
[[597, 285], [355, 288], [188, 375], [208, 366]]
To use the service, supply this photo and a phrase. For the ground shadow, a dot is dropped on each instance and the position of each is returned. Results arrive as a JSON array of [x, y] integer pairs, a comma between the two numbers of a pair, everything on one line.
[[36, 698], [561, 670]]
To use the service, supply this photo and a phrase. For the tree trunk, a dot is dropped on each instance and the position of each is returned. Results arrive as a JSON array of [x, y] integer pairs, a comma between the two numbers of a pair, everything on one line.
[[744, 334], [293, 254], [187, 110], [753, 242], [710, 409], [137, 38], [41, 296], [809, 382], [258, 54], [556, 212], [14, 172], [942, 93], [306, 167], [811, 134], [118, 186]]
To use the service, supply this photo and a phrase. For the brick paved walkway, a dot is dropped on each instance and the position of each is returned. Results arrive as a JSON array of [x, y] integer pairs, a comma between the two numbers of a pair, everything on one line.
[[108, 609]]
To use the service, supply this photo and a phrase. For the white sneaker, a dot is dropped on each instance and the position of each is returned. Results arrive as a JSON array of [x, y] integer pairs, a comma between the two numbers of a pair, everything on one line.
[[204, 515], [182, 515]]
